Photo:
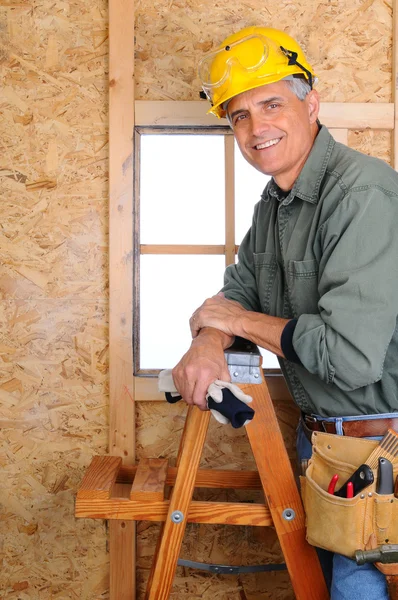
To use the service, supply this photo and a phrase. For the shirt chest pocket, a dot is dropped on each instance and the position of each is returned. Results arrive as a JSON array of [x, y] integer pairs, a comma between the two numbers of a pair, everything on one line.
[[267, 278], [303, 286]]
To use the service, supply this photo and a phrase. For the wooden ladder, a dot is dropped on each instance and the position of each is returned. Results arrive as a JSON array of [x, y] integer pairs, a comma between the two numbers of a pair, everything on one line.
[[111, 491]]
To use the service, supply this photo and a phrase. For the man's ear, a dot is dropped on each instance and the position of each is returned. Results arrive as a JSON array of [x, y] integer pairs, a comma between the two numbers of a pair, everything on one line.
[[313, 105]]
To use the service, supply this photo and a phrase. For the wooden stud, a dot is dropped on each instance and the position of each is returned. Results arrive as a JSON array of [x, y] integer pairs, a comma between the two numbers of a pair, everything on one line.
[[181, 249], [146, 388], [229, 145], [121, 404], [341, 115], [340, 135], [150, 480]]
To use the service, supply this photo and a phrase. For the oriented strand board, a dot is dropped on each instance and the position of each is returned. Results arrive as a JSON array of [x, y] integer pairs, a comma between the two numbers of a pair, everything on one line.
[[54, 280], [348, 43], [53, 295], [372, 142]]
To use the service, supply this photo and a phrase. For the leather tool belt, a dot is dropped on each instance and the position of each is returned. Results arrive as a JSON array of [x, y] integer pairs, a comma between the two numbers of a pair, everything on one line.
[[343, 524], [360, 428]]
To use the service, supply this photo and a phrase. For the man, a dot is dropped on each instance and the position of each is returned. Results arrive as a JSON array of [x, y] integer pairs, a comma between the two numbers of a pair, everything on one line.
[[317, 277]]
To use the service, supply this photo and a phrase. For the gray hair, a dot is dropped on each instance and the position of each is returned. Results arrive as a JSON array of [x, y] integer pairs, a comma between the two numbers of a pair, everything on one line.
[[299, 86]]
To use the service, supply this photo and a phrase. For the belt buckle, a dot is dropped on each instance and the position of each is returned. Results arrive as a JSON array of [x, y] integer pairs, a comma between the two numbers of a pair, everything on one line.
[[310, 419]]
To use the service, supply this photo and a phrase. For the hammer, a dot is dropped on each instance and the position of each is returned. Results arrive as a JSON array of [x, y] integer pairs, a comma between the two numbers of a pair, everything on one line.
[[385, 558]]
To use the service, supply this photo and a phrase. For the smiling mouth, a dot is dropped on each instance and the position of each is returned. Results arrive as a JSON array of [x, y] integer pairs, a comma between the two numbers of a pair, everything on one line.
[[267, 144]]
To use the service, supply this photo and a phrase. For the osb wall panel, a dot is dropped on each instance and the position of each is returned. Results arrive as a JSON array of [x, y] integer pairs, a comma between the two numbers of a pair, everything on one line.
[[53, 290], [348, 43], [53, 276]]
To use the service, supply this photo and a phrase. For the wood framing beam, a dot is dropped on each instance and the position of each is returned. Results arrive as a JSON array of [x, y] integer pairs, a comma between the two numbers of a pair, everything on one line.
[[181, 249], [340, 135], [121, 404], [340, 115], [146, 388], [229, 145]]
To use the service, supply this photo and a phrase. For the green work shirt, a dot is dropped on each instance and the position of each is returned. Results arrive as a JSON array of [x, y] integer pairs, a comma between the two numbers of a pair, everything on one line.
[[327, 255]]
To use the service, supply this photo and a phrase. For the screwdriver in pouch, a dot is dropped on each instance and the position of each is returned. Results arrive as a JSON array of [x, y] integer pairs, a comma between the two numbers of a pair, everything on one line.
[[385, 477]]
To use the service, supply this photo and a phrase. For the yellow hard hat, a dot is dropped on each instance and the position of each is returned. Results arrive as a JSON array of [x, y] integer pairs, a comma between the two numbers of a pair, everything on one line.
[[253, 57]]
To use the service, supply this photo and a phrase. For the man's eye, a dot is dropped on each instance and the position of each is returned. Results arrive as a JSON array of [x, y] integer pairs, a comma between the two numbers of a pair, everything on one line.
[[239, 118], [273, 105]]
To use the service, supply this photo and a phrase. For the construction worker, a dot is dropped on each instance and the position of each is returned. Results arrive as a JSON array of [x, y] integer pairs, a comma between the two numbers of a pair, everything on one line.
[[316, 280]]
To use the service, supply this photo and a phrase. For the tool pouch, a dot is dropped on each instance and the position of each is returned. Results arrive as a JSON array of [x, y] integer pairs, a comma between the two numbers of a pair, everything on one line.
[[344, 525]]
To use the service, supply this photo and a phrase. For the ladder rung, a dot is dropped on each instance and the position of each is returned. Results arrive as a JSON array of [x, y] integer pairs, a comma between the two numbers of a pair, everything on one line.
[[206, 478], [150, 480], [227, 513]]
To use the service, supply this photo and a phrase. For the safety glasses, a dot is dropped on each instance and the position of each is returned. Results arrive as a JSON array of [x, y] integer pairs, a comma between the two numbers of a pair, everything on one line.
[[249, 54]]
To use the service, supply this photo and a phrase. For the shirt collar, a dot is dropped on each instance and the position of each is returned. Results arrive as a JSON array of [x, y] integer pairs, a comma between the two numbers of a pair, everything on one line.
[[276, 192], [309, 181]]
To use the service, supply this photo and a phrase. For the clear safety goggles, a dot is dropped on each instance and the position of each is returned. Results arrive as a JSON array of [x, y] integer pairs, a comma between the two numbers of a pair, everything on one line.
[[249, 54]]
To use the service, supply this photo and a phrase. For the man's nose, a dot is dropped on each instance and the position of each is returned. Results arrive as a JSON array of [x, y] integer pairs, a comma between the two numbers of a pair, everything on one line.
[[259, 126]]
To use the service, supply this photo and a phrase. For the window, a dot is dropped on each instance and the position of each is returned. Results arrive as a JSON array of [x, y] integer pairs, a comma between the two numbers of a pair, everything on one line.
[[194, 201]]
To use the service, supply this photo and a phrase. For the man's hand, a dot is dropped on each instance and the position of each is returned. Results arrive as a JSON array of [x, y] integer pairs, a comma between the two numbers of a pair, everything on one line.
[[220, 313], [202, 365]]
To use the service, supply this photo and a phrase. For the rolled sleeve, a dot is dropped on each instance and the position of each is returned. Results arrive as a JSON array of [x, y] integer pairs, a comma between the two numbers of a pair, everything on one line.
[[346, 342]]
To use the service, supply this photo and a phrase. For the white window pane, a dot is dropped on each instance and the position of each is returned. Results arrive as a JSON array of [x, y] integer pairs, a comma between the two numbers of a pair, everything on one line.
[[172, 287], [269, 360], [249, 184], [182, 196]]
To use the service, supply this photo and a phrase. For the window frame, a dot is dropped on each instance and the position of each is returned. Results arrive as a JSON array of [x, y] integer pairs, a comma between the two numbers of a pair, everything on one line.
[[229, 249]]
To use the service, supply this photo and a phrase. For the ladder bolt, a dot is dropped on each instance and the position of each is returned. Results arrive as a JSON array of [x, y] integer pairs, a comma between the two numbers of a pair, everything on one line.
[[288, 514], [177, 516]]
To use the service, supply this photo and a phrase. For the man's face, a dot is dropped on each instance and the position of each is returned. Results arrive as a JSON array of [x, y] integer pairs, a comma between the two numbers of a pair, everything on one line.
[[274, 129]]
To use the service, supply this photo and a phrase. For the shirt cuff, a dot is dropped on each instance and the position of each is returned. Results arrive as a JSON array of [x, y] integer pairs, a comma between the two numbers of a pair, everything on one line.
[[287, 342]]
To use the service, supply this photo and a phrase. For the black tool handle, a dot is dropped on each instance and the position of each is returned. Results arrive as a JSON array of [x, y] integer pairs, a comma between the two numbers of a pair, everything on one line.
[[385, 477], [361, 478], [172, 399], [236, 411]]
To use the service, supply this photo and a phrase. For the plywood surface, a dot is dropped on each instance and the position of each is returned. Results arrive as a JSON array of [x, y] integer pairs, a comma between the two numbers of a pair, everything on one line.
[[54, 273], [53, 295], [342, 39]]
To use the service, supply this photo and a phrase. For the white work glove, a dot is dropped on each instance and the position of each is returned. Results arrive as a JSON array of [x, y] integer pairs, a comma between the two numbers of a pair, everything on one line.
[[166, 385], [215, 391]]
